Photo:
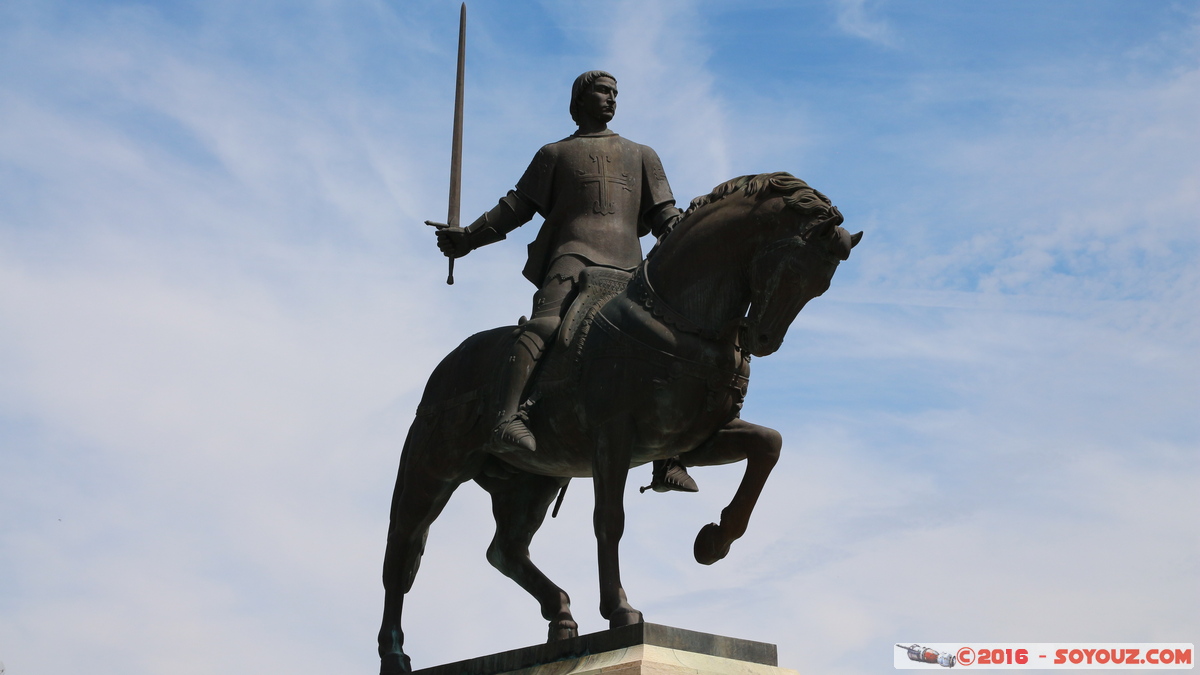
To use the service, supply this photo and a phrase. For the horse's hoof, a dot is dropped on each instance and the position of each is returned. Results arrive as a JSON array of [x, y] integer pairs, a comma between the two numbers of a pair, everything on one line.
[[394, 664], [624, 617], [563, 629], [710, 546]]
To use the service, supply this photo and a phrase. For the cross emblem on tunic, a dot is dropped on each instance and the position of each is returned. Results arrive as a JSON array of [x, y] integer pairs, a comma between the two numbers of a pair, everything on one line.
[[603, 204]]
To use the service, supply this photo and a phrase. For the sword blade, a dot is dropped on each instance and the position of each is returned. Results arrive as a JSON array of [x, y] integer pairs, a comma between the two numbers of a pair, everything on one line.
[[452, 212], [452, 217]]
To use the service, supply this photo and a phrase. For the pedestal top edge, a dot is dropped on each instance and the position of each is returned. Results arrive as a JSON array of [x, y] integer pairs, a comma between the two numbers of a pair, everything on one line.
[[604, 641]]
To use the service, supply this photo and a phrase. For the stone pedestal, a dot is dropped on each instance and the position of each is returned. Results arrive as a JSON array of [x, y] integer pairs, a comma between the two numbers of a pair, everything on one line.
[[644, 649]]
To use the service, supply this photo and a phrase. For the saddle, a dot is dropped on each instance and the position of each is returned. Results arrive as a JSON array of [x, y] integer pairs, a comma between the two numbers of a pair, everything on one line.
[[597, 285], [559, 367]]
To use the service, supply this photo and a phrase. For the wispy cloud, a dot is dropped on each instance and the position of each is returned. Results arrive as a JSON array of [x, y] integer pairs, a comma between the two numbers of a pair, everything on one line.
[[861, 19], [198, 312], [668, 99], [218, 307]]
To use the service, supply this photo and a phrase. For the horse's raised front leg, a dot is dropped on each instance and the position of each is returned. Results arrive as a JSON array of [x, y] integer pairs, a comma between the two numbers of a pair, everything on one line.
[[738, 440], [519, 504], [610, 468]]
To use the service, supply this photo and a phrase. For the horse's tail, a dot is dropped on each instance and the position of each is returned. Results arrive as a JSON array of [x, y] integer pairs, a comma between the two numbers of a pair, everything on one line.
[[451, 422], [401, 570]]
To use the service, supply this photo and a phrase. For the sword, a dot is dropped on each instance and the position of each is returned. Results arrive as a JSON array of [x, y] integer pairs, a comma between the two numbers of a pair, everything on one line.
[[452, 212]]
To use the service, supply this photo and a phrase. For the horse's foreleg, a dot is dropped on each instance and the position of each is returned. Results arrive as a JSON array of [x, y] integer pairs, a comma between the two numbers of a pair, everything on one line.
[[519, 504], [610, 468], [738, 440]]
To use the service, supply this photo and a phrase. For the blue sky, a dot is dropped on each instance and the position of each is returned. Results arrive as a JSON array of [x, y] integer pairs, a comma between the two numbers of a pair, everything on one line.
[[218, 307]]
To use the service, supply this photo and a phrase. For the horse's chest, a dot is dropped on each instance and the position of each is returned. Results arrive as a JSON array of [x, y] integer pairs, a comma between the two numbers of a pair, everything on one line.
[[680, 399], [675, 403]]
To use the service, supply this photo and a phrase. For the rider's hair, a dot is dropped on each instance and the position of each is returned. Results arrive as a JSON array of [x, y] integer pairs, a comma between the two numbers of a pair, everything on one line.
[[583, 83]]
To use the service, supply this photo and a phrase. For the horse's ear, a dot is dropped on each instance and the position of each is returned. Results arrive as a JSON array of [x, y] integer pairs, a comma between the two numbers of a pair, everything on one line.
[[854, 239]]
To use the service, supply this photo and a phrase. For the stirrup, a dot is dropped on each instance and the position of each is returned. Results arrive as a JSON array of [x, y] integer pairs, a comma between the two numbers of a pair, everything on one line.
[[512, 434], [671, 475]]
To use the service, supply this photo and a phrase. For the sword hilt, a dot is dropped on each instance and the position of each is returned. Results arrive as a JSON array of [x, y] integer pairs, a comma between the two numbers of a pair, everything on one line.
[[450, 275]]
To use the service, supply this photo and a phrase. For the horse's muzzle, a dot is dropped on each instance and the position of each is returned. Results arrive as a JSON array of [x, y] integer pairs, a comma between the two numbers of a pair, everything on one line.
[[758, 342]]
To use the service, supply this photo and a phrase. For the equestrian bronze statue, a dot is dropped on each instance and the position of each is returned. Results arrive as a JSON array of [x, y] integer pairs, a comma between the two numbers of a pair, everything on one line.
[[623, 361]]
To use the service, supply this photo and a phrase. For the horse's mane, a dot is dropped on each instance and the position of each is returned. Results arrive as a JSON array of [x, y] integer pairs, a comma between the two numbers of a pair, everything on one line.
[[796, 193]]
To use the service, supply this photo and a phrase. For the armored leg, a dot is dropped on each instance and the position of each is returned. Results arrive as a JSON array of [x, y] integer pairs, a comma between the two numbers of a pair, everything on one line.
[[670, 474], [512, 432], [549, 303]]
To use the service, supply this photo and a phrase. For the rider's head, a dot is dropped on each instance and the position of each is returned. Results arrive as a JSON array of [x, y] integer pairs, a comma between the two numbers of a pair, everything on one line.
[[594, 96]]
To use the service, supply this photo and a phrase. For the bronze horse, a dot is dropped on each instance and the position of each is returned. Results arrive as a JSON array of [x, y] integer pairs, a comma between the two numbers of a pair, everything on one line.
[[646, 367]]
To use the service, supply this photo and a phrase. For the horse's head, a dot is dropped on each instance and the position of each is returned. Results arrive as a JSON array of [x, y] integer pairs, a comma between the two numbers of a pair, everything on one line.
[[794, 262], [746, 257]]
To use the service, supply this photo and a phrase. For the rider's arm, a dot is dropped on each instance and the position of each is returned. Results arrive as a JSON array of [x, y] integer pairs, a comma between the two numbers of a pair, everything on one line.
[[662, 219], [659, 214], [513, 211]]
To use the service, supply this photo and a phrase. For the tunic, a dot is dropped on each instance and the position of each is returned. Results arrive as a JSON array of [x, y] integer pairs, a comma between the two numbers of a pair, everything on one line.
[[595, 192]]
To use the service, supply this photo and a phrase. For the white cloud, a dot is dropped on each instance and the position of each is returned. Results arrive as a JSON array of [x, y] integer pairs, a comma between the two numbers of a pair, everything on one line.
[[668, 100], [858, 18], [218, 307], [211, 340], [669, 92]]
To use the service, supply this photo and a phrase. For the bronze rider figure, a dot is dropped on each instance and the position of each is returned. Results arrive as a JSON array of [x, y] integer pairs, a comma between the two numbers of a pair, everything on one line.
[[598, 193]]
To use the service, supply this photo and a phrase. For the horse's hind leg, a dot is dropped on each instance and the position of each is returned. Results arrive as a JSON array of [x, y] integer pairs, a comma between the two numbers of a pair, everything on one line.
[[519, 505], [422, 490], [738, 440]]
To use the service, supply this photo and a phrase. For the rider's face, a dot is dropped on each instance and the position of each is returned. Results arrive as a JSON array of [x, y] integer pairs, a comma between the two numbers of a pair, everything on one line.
[[599, 102]]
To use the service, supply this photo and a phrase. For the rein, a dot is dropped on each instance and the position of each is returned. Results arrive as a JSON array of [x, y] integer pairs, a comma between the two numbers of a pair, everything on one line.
[[641, 291], [716, 378]]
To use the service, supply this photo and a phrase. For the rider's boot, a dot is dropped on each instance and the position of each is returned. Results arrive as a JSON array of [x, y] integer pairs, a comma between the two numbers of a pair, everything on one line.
[[670, 474], [512, 431]]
